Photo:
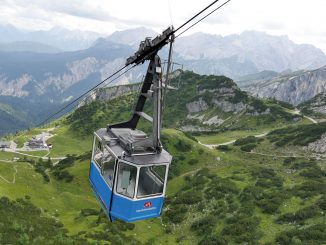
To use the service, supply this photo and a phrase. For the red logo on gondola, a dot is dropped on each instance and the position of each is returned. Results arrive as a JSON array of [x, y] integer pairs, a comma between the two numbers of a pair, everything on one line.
[[147, 204]]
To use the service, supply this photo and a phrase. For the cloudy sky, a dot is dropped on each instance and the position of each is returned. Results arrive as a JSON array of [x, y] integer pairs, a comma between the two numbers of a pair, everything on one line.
[[302, 21]]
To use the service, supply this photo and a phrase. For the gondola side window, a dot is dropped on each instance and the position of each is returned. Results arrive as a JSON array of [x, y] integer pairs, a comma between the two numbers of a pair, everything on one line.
[[107, 166], [126, 180], [98, 151], [151, 181]]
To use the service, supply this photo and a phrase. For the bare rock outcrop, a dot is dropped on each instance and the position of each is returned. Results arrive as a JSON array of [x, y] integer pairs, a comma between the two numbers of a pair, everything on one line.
[[318, 146], [197, 106]]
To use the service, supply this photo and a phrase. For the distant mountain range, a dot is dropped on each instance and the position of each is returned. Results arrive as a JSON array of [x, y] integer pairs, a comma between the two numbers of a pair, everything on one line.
[[47, 79], [247, 53], [57, 37]]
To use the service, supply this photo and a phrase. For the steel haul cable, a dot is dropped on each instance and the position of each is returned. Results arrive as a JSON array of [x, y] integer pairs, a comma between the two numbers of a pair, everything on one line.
[[88, 91]]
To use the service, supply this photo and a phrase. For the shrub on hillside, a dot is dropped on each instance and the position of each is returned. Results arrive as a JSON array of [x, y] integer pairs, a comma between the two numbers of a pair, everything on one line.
[[193, 161], [267, 178], [219, 188], [223, 148], [212, 240], [269, 202], [188, 135], [188, 197], [313, 173], [182, 145], [246, 140], [88, 212], [287, 161], [321, 203], [315, 234], [304, 165], [242, 228], [309, 189], [23, 223], [204, 225], [63, 175], [250, 193], [299, 216], [175, 214], [248, 147], [66, 162], [297, 135]]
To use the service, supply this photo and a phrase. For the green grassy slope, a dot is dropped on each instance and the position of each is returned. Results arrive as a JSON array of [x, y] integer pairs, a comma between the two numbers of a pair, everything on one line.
[[243, 193], [214, 197], [237, 110], [225, 101]]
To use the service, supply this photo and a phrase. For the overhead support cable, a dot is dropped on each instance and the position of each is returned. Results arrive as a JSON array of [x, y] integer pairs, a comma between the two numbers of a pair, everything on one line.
[[201, 19], [195, 16]]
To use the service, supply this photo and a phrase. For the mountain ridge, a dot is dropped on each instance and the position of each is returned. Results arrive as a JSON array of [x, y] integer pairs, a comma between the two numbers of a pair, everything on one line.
[[200, 104], [266, 52], [294, 88]]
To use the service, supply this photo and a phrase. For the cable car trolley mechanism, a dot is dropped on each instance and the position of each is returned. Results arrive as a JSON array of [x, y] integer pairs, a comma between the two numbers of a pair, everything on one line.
[[128, 169]]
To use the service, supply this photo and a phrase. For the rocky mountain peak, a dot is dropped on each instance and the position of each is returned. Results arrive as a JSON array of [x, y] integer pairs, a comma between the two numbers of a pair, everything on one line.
[[131, 37]]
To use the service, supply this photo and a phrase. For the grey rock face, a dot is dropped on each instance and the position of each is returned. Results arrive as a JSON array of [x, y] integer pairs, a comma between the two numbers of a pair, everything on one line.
[[223, 91], [227, 106], [293, 88], [110, 93], [318, 146], [214, 121], [75, 72], [256, 113], [320, 109], [191, 128], [197, 106], [14, 87], [316, 104]]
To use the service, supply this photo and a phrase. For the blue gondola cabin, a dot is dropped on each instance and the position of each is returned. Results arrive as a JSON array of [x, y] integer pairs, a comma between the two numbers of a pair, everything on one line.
[[128, 187]]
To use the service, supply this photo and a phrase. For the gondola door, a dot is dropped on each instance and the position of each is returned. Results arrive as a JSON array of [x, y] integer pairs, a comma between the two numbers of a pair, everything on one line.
[[102, 172]]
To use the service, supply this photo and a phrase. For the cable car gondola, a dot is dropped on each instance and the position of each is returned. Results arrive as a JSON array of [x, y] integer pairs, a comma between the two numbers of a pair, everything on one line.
[[129, 169]]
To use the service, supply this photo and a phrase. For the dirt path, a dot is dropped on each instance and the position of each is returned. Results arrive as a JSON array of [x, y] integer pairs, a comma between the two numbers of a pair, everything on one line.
[[14, 177], [8, 161], [271, 155], [212, 146], [298, 112], [29, 155], [295, 112], [311, 119]]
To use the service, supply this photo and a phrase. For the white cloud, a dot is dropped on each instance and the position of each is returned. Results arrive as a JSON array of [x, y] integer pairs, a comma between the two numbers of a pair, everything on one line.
[[302, 21]]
